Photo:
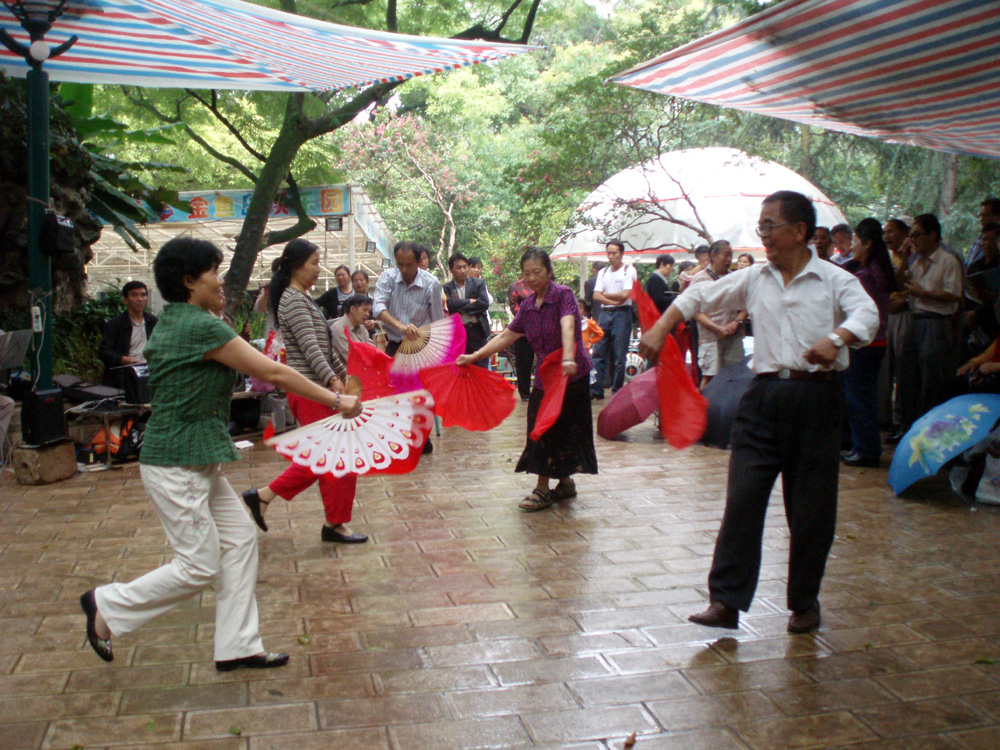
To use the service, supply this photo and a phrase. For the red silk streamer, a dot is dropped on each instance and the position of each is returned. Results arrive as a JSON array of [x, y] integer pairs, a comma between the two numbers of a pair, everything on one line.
[[554, 385], [683, 410], [469, 396], [371, 366]]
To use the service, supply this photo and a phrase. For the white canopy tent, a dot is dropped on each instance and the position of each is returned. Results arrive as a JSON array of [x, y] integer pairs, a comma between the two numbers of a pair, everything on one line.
[[658, 207]]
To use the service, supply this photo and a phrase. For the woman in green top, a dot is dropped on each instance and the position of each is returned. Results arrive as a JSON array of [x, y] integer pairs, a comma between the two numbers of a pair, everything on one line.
[[192, 355]]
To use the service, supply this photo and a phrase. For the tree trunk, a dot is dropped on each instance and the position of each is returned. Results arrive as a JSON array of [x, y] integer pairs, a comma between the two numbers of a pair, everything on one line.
[[249, 243], [949, 187]]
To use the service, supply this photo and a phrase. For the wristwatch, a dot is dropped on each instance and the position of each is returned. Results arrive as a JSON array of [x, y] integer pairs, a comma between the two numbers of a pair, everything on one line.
[[837, 341]]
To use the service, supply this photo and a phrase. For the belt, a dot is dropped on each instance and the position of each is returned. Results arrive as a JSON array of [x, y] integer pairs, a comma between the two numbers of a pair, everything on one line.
[[616, 308], [928, 316], [825, 376]]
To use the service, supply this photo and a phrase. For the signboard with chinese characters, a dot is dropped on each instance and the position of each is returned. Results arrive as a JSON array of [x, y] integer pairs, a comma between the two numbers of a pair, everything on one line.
[[206, 205]]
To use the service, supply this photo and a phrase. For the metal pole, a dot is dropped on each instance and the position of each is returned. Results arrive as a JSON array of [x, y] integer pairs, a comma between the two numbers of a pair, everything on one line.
[[39, 265], [350, 230]]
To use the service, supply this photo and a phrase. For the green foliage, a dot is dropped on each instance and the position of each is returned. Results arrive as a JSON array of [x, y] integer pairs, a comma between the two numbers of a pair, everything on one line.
[[77, 336]]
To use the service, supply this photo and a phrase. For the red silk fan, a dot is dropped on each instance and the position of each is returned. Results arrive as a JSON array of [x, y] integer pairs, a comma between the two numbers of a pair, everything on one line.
[[554, 384], [683, 410], [440, 342], [469, 396], [648, 312], [371, 366], [386, 438]]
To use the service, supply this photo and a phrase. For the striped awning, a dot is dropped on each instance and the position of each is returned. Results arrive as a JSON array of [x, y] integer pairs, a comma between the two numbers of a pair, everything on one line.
[[228, 44], [920, 72]]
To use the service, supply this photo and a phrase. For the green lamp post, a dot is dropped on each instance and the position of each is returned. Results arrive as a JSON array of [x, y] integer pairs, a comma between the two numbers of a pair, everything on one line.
[[36, 17]]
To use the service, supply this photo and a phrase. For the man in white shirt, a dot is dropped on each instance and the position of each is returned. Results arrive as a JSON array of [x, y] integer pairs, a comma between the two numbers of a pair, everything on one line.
[[934, 282], [613, 290], [805, 313]]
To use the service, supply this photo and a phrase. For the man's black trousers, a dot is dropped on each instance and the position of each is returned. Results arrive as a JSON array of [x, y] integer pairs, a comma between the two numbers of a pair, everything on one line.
[[792, 428]]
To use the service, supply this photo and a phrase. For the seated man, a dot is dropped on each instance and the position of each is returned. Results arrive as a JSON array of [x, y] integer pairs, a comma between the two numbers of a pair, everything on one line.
[[357, 309], [125, 335]]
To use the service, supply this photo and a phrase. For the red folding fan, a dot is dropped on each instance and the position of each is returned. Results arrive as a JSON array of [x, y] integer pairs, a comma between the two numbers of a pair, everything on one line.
[[468, 396], [370, 365], [554, 385], [683, 410]]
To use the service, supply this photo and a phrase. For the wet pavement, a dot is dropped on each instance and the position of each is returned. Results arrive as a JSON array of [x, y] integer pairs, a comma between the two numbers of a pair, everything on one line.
[[465, 623]]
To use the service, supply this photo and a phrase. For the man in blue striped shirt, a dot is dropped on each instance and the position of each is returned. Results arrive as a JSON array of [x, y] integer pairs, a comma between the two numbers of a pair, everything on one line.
[[406, 297]]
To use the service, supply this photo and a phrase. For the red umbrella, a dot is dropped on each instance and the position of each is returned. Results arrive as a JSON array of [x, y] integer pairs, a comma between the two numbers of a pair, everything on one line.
[[470, 397], [632, 405], [554, 385]]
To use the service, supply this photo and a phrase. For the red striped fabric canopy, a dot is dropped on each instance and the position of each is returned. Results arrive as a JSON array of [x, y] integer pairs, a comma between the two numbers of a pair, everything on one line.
[[228, 44], [921, 72]]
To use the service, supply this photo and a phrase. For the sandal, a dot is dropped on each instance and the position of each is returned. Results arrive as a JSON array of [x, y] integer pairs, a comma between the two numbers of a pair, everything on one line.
[[537, 500], [253, 501], [564, 490], [101, 646]]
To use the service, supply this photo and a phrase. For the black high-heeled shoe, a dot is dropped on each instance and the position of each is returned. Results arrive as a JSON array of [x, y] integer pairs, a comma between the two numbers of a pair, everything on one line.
[[101, 646], [252, 498]]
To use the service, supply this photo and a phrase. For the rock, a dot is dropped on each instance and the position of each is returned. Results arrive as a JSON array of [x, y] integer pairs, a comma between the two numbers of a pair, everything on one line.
[[45, 464]]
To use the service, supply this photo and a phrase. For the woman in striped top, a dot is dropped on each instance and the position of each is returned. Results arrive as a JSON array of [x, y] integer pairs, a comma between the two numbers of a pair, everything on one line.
[[308, 351]]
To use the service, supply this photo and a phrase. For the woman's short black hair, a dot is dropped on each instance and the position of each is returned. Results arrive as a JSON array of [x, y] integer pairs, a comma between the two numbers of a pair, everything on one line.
[[536, 253], [180, 258], [360, 272]]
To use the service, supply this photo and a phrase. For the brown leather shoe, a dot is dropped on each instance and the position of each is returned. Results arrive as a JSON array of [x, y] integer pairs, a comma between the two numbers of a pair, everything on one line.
[[717, 615], [804, 622]]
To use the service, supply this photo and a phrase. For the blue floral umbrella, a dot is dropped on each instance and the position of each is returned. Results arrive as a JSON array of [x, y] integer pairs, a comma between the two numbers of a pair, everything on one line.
[[940, 435]]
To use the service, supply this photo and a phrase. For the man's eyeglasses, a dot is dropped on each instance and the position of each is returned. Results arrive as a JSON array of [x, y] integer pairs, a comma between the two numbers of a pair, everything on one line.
[[764, 230], [916, 235]]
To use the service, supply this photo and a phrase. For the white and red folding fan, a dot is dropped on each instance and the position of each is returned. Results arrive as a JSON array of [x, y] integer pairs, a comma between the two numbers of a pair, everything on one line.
[[439, 343], [387, 437]]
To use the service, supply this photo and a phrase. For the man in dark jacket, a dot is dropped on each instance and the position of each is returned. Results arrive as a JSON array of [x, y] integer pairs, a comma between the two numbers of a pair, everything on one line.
[[659, 287], [467, 296], [125, 335]]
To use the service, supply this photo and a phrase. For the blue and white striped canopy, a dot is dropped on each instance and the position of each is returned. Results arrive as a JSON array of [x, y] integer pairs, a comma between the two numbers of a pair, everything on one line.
[[921, 72], [228, 44]]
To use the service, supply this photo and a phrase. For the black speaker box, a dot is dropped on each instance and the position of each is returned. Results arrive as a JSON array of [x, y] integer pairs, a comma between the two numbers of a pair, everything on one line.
[[42, 417]]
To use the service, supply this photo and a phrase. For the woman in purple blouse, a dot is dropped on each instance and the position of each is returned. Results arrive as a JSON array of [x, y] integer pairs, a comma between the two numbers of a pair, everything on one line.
[[550, 319], [875, 272]]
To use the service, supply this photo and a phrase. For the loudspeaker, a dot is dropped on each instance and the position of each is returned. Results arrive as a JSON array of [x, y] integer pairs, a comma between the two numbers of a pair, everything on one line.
[[42, 417]]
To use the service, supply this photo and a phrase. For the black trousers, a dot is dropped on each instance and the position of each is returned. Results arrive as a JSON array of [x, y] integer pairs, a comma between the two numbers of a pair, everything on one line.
[[524, 363], [792, 428], [475, 339]]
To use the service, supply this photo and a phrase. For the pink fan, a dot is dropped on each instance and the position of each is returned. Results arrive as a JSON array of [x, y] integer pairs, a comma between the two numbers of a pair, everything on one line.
[[439, 343], [388, 434]]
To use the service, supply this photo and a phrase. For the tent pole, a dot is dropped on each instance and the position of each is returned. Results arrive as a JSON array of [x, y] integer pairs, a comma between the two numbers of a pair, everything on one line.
[[583, 274], [350, 231]]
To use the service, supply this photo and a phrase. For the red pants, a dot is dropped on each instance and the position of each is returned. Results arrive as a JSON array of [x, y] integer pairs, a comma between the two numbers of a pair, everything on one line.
[[337, 493]]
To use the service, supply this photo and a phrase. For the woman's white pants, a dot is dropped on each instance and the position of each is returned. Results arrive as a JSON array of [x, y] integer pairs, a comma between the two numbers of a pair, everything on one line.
[[214, 541]]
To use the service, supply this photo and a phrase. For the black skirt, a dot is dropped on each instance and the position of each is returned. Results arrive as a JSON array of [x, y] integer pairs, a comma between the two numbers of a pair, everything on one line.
[[567, 447]]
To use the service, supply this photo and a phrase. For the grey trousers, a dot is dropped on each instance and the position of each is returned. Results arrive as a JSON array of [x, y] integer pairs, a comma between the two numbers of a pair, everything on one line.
[[791, 428], [926, 363]]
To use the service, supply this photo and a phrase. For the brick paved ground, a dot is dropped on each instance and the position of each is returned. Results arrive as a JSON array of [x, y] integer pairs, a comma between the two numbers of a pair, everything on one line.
[[465, 623]]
